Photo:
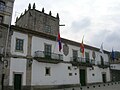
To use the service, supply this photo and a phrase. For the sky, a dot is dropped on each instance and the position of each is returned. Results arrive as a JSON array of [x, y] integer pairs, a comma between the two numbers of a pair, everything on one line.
[[97, 20]]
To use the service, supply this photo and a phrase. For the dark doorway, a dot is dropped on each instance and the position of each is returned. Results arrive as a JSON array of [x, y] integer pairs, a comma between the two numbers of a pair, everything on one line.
[[17, 81], [104, 77], [82, 77]]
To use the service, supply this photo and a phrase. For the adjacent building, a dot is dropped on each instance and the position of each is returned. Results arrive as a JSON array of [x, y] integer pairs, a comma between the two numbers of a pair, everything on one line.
[[115, 66], [35, 62], [6, 8]]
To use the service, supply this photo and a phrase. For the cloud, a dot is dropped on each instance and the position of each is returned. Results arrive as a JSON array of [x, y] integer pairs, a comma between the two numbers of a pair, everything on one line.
[[98, 20], [81, 24]]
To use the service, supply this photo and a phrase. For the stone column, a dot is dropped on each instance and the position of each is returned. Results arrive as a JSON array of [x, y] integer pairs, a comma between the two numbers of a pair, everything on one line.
[[29, 61]]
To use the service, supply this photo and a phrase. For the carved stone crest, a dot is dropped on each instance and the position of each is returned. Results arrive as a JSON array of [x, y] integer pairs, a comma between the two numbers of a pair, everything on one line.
[[65, 49]]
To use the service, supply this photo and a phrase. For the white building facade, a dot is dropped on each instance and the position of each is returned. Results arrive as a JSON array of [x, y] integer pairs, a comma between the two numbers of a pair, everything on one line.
[[36, 61]]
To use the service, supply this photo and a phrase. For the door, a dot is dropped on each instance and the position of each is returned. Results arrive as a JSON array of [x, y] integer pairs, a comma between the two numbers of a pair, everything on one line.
[[47, 51], [104, 77], [75, 55], [87, 57], [17, 81], [82, 77]]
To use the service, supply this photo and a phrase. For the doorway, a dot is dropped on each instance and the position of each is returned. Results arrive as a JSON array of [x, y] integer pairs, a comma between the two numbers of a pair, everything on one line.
[[104, 77], [82, 77], [17, 81]]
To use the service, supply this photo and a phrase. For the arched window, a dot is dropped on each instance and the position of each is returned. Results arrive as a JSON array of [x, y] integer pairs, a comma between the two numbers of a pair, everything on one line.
[[2, 5]]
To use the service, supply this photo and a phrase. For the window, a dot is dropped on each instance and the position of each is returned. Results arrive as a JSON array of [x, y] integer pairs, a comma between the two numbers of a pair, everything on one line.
[[93, 74], [70, 74], [102, 60], [2, 6], [75, 55], [87, 57], [47, 71], [47, 29], [1, 19], [47, 51], [19, 44], [69, 68]]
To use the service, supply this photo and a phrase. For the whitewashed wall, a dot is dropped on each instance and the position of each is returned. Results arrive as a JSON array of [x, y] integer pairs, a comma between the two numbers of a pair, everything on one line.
[[38, 44], [97, 74], [115, 66], [17, 66], [13, 43], [59, 74]]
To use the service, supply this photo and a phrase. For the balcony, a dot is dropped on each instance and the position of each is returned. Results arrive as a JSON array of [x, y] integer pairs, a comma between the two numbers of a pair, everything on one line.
[[82, 61], [42, 56], [103, 64]]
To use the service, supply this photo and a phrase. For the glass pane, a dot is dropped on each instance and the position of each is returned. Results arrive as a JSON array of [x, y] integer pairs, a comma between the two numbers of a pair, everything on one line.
[[19, 44]]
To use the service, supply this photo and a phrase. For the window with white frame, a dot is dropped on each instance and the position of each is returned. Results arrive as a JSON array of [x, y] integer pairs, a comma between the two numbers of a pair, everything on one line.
[[19, 44]]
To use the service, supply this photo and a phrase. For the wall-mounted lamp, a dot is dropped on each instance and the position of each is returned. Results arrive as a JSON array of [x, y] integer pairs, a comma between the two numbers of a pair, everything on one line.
[[5, 63], [30, 61]]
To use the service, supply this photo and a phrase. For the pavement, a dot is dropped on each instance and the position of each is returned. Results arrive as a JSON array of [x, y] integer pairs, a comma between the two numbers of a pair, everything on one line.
[[104, 86]]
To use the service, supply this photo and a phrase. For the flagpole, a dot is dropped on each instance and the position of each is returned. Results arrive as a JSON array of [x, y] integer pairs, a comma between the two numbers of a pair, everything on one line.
[[57, 37]]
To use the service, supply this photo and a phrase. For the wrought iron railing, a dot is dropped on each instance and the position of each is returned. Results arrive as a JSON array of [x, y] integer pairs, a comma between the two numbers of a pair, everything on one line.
[[104, 63], [82, 60], [43, 54]]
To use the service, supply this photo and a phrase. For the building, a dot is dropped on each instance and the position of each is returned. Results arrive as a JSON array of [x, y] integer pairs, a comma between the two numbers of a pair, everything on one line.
[[34, 60], [6, 8], [115, 66]]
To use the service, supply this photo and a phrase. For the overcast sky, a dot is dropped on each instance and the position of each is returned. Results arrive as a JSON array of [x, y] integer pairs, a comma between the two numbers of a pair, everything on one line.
[[97, 20]]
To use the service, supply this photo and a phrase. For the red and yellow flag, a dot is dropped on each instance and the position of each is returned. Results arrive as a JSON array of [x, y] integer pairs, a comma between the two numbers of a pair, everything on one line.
[[82, 47]]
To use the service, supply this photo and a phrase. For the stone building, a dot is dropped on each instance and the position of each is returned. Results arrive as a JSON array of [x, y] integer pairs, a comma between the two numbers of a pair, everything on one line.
[[115, 66], [35, 61], [6, 8], [39, 21]]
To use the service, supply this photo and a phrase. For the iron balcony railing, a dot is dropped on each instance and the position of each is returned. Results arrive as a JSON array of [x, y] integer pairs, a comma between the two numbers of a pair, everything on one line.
[[82, 60], [103, 64], [48, 55]]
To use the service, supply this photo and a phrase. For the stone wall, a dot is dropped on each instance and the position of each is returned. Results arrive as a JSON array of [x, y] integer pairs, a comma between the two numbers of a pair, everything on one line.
[[39, 21]]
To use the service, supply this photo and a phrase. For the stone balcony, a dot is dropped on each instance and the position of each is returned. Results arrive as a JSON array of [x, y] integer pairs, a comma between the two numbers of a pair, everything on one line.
[[46, 57]]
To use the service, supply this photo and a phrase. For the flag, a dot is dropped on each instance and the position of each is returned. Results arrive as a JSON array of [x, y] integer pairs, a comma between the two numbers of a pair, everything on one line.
[[113, 55], [82, 47], [59, 42], [101, 49]]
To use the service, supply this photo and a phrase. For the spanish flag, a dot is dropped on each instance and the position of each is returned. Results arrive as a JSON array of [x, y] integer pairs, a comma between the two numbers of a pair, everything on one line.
[[82, 47]]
